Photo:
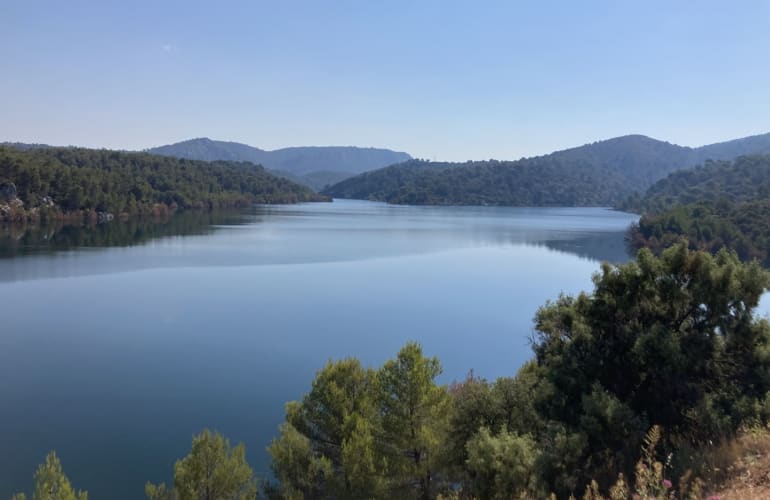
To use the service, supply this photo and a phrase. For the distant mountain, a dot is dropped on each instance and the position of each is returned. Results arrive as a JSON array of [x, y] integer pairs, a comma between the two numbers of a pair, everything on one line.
[[207, 150], [315, 166], [602, 173]]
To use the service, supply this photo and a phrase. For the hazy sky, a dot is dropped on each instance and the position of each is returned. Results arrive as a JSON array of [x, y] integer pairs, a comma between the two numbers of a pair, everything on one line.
[[438, 79]]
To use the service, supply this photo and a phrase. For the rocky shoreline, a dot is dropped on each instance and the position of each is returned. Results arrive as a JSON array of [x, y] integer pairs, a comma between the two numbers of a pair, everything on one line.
[[13, 209]]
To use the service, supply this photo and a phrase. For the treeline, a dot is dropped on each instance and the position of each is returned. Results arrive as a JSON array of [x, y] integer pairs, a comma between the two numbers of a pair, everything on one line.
[[664, 358], [603, 173], [745, 179], [537, 182], [744, 228], [718, 205], [56, 182], [213, 470]]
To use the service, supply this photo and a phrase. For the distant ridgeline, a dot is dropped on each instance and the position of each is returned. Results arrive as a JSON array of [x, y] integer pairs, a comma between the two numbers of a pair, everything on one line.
[[719, 204], [603, 173], [60, 183], [313, 166]]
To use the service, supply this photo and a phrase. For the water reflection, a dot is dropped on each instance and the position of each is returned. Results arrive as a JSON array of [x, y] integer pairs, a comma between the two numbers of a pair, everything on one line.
[[605, 247], [18, 240], [344, 231]]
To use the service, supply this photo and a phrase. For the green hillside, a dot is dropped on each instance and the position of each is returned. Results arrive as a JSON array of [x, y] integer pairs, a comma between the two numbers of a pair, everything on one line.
[[602, 173], [720, 204], [56, 182]]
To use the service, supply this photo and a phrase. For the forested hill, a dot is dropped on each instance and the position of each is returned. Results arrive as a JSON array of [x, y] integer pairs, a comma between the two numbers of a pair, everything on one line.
[[601, 173], [207, 150], [315, 166], [532, 183], [745, 179], [720, 204], [55, 182]]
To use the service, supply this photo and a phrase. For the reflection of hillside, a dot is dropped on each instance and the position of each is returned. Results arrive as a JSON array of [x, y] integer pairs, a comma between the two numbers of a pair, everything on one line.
[[17, 240], [301, 234], [609, 247]]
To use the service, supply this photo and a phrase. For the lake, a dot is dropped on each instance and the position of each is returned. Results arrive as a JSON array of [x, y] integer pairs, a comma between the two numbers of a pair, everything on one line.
[[120, 342]]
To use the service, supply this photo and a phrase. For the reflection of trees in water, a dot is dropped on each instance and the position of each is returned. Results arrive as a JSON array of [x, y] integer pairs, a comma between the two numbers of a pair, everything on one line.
[[417, 232], [609, 246], [25, 239], [606, 247]]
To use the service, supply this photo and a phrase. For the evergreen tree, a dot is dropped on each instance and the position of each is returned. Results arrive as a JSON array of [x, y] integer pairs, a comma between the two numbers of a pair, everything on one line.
[[668, 341], [327, 445], [414, 421], [212, 471], [51, 483]]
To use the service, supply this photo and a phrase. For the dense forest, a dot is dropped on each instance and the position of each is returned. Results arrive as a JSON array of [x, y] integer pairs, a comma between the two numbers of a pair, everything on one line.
[[600, 174], [719, 204], [533, 183], [57, 182], [745, 179], [643, 387]]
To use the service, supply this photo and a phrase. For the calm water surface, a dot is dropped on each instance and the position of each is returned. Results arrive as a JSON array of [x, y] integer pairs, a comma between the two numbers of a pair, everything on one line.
[[119, 343]]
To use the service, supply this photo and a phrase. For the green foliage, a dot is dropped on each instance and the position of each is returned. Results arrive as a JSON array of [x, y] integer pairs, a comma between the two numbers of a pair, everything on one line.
[[51, 483], [364, 434], [81, 180], [327, 445], [472, 407], [212, 471], [734, 182], [719, 205], [413, 412], [600, 174], [505, 406], [671, 341], [298, 469], [535, 182], [502, 465], [744, 228]]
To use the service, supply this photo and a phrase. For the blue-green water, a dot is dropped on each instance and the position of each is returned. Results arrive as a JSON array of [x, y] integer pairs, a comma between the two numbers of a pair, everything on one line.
[[116, 355]]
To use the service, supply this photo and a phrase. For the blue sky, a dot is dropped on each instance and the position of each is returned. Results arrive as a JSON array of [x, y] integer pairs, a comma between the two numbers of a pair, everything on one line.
[[439, 79]]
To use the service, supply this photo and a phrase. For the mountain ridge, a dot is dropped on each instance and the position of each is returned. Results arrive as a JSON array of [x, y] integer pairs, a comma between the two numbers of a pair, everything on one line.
[[302, 163], [601, 173]]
